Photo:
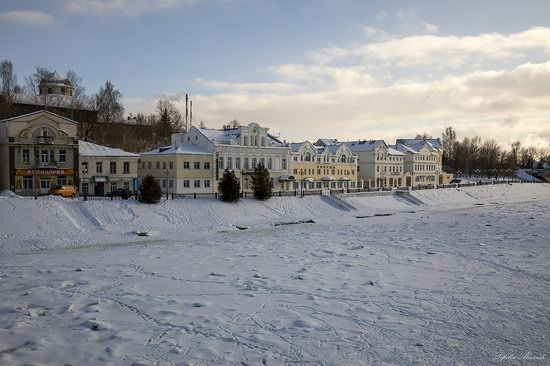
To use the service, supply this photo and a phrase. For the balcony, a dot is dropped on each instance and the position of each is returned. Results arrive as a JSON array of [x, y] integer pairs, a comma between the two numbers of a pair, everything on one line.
[[43, 140], [46, 164]]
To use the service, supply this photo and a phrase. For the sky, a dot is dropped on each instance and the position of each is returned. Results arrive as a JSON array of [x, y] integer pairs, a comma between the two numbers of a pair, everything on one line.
[[307, 69]]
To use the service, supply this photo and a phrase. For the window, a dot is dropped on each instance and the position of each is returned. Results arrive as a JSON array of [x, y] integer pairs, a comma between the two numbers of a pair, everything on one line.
[[229, 162], [206, 183], [170, 183], [220, 163], [269, 163], [171, 165], [126, 185], [149, 165], [245, 183], [246, 163], [245, 141], [142, 165], [158, 164], [112, 169], [263, 141], [85, 189], [84, 167], [284, 163], [27, 183], [113, 186], [307, 156], [126, 167], [44, 156], [342, 159], [99, 167], [185, 165], [238, 162], [262, 161], [186, 183], [197, 164], [61, 180], [207, 165], [26, 156], [254, 163], [50, 91], [163, 165], [62, 156], [197, 183]]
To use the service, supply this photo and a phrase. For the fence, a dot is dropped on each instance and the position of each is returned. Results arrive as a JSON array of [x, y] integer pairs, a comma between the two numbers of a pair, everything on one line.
[[319, 192]]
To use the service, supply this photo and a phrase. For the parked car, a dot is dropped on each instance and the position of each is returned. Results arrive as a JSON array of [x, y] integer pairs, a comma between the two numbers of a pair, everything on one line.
[[64, 191], [119, 192]]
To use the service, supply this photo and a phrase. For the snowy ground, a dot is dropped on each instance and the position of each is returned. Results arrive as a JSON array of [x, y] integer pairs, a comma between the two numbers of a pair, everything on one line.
[[443, 277]]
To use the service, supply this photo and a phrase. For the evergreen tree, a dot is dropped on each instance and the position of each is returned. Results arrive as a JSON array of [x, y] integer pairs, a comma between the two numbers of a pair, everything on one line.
[[149, 190], [229, 187], [261, 183]]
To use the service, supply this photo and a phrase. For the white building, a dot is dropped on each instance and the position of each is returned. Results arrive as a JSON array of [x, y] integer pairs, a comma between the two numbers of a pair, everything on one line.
[[104, 169], [380, 166], [423, 161], [241, 149]]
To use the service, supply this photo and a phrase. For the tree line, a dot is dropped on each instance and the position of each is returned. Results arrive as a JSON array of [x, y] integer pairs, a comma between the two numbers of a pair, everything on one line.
[[476, 157]]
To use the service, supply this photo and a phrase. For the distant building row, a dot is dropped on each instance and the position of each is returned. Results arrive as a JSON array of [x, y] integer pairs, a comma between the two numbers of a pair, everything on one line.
[[40, 149]]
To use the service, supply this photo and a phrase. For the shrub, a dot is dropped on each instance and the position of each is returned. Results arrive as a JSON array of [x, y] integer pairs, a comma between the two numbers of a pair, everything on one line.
[[229, 187], [261, 183], [149, 190]]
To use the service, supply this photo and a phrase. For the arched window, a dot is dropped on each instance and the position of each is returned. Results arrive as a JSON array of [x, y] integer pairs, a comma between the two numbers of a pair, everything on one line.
[[342, 158], [307, 156]]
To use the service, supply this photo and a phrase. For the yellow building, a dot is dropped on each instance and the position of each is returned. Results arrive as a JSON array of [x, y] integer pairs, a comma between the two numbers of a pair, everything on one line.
[[37, 151], [323, 167], [179, 169]]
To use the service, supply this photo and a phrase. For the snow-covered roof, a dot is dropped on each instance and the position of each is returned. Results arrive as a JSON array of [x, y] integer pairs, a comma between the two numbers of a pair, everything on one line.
[[232, 136], [326, 142], [52, 100], [414, 143], [55, 78], [183, 149], [404, 149], [364, 145], [392, 151], [86, 148]]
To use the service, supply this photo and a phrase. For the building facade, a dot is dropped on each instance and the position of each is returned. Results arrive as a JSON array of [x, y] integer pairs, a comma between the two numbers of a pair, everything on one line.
[[179, 168], [241, 149], [423, 161], [332, 166], [37, 151], [380, 166], [104, 169]]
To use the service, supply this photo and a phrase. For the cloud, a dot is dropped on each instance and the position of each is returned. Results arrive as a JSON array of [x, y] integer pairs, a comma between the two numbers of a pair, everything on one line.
[[350, 105], [446, 50], [341, 95], [122, 7], [27, 17]]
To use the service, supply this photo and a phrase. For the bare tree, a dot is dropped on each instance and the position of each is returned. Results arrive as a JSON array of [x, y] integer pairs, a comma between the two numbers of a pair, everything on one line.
[[108, 103], [9, 80], [32, 82]]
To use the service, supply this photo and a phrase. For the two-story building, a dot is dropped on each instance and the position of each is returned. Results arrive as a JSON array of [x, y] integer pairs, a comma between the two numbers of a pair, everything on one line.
[[380, 166], [37, 151], [181, 168], [423, 161], [241, 149], [104, 169], [324, 166]]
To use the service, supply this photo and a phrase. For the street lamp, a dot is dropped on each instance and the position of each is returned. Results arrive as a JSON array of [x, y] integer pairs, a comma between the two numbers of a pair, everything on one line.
[[301, 182], [167, 171], [84, 171]]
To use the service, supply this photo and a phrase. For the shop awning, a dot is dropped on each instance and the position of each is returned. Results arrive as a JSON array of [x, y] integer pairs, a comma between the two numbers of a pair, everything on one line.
[[285, 178], [328, 178], [100, 179]]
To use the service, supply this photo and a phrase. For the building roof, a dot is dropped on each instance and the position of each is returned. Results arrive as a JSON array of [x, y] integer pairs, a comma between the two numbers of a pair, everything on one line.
[[55, 78], [364, 145], [231, 136], [326, 142], [38, 112], [86, 148], [182, 149], [433, 143]]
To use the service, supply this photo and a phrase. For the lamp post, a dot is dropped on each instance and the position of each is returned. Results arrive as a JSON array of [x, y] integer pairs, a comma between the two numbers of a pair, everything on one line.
[[84, 171], [242, 183], [167, 171], [301, 182]]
